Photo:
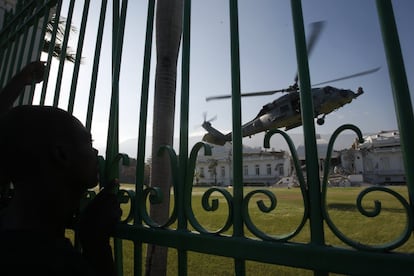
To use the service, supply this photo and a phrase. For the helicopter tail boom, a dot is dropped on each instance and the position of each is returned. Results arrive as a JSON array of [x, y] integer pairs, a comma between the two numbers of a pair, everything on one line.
[[214, 136], [209, 138]]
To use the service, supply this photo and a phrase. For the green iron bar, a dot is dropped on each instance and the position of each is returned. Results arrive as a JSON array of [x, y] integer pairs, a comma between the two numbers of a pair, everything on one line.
[[4, 78], [184, 112], [29, 18], [20, 60], [401, 93], [183, 156], [4, 67], [15, 47], [50, 53], [7, 67], [10, 37], [1, 64], [94, 78], [312, 168], [40, 45], [22, 52], [63, 53], [240, 266], [78, 56], [26, 26], [20, 44], [334, 259], [311, 153], [112, 149], [22, 26], [11, 24], [13, 54], [115, 28], [142, 132], [113, 140], [143, 114], [5, 39]]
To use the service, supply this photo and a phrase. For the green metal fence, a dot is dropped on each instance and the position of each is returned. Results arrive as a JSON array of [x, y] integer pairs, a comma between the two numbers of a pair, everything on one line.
[[21, 40]]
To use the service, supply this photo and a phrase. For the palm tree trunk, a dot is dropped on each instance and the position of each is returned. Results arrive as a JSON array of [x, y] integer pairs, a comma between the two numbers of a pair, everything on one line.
[[168, 35]]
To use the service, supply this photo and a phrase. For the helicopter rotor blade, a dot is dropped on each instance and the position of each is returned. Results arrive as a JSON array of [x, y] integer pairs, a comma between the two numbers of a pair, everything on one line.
[[209, 120], [316, 29], [350, 76], [212, 119], [252, 94], [218, 97]]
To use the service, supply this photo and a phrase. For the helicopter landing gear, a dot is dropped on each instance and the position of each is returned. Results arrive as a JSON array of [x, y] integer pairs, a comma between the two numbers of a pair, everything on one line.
[[320, 121]]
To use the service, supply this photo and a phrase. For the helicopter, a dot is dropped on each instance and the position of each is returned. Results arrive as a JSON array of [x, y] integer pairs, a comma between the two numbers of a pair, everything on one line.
[[285, 110]]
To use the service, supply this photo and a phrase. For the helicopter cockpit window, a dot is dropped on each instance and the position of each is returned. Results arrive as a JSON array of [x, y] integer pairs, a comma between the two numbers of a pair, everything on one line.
[[284, 108]]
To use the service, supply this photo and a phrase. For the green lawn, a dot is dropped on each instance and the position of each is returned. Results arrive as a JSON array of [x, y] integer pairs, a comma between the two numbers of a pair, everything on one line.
[[285, 218]]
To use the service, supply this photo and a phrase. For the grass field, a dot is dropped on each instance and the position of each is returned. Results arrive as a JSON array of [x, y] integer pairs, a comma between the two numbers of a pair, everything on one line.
[[341, 202]]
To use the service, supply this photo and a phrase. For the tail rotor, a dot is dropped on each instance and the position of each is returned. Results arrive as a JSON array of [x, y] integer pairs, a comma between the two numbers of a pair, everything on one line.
[[209, 120]]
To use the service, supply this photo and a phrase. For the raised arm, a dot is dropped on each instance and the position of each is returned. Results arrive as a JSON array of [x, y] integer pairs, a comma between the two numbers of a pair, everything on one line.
[[31, 73]]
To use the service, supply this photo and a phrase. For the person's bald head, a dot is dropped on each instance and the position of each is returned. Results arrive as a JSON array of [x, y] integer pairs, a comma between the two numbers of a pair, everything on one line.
[[34, 139]]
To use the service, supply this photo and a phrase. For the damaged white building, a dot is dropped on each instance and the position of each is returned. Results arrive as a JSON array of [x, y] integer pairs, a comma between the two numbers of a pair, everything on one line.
[[260, 167], [378, 159]]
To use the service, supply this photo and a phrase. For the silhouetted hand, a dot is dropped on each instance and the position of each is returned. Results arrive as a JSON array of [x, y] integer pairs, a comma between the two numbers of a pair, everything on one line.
[[96, 224], [99, 218], [32, 72]]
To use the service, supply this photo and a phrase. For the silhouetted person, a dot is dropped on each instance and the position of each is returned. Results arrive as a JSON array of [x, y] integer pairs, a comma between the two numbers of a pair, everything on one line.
[[48, 156]]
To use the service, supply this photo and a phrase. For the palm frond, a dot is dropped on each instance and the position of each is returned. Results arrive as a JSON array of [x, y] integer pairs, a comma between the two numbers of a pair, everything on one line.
[[57, 51], [60, 32]]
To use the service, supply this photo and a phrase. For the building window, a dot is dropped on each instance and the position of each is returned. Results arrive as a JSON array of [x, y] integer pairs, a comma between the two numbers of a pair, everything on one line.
[[257, 169], [201, 171], [212, 172], [269, 169], [223, 171], [281, 170], [385, 163], [246, 170]]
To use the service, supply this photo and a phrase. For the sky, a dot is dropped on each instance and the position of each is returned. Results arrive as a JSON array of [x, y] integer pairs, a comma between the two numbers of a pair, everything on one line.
[[351, 42]]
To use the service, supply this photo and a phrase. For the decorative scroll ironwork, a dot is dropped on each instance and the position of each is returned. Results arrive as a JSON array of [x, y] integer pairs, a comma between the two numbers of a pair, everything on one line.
[[155, 195], [208, 204], [404, 236], [211, 205], [272, 198]]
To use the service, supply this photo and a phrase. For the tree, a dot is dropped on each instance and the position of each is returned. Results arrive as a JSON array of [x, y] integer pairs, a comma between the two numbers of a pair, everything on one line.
[[168, 36], [212, 168], [57, 49]]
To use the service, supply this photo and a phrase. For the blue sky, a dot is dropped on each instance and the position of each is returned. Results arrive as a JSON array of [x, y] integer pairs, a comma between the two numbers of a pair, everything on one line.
[[351, 42]]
